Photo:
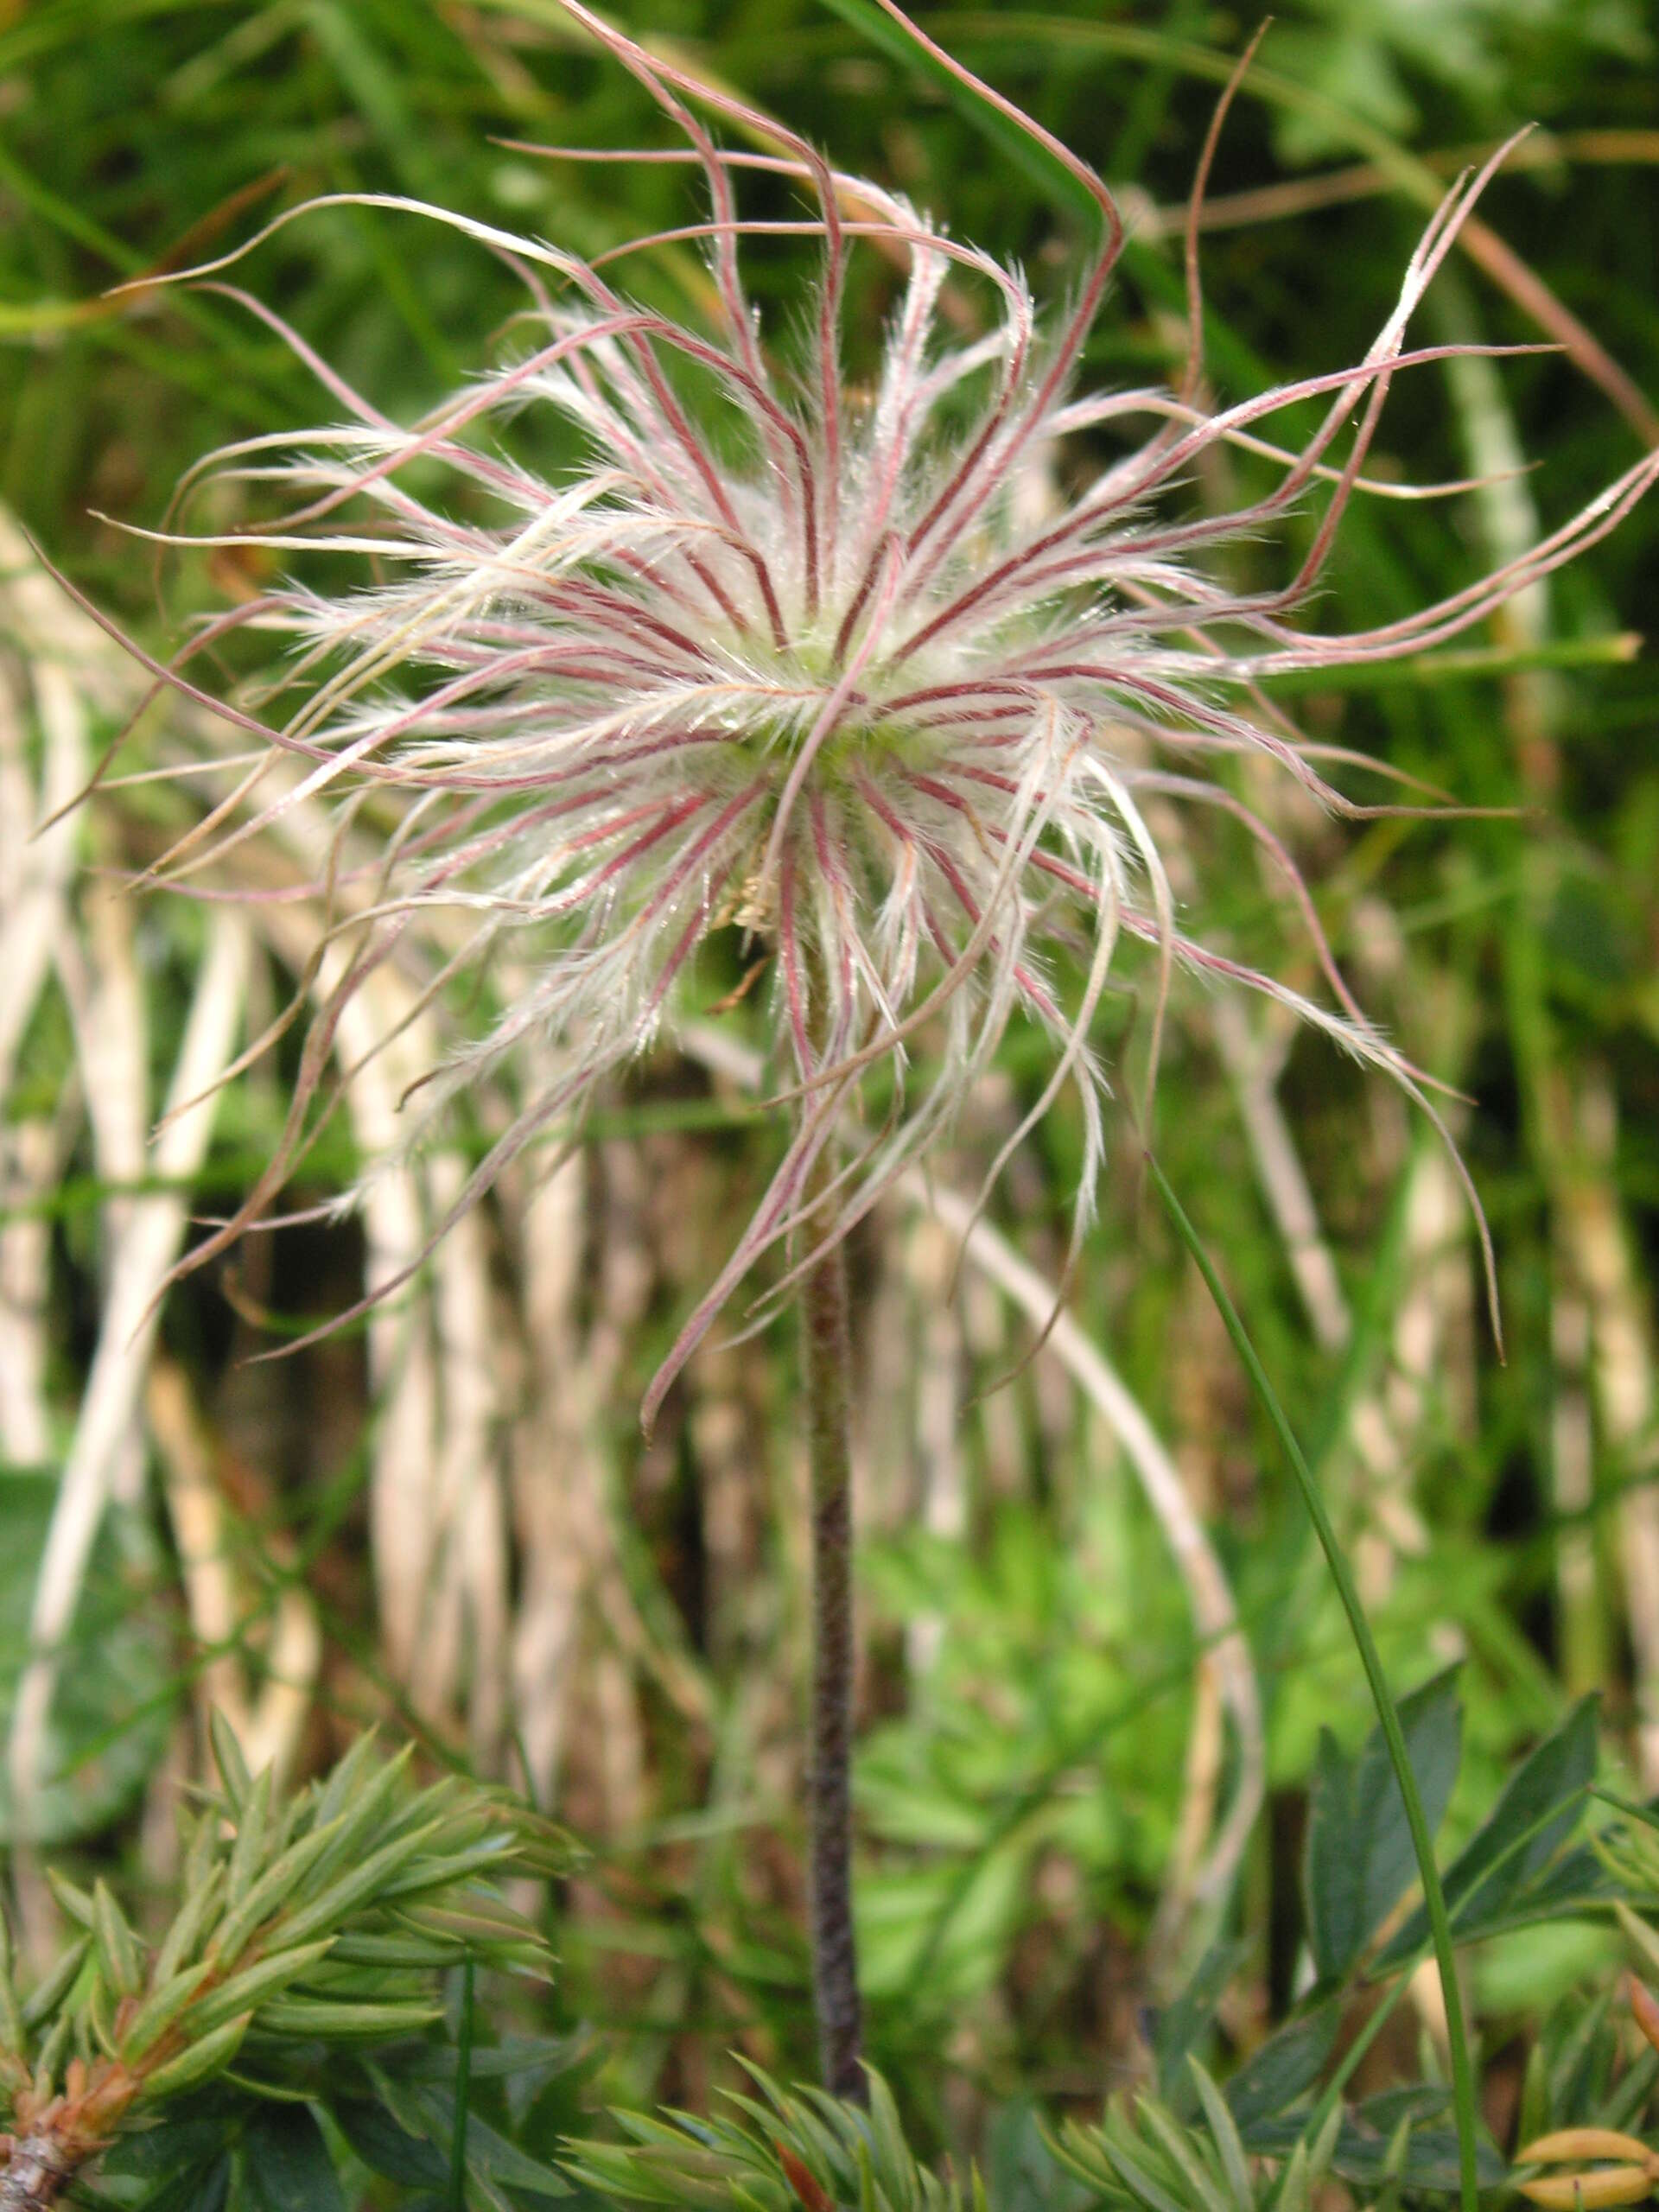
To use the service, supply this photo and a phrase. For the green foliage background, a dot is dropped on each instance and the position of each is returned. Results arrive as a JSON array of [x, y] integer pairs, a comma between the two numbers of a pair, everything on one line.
[[1020, 1796]]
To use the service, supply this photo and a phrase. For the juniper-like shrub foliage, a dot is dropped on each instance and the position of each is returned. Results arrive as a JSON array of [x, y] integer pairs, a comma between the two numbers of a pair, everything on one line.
[[304, 1929], [778, 2152]]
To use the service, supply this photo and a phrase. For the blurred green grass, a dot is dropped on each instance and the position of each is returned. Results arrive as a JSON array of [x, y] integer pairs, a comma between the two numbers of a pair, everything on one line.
[[1519, 961]]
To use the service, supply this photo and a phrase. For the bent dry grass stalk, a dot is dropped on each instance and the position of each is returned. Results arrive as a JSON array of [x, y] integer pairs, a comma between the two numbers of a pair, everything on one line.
[[788, 660]]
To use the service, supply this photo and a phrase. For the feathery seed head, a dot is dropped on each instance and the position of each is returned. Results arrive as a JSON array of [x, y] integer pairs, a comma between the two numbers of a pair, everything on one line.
[[844, 673]]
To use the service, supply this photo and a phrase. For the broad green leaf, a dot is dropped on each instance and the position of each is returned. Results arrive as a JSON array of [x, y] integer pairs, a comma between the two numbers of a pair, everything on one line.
[[523, 2065], [288, 2165], [1577, 1883], [1359, 1850], [490, 2158], [1285, 2068], [1583, 2064], [389, 2148], [1647, 1814], [206, 2189], [1361, 2154], [515, 2058], [116, 1692], [169, 2147], [1537, 1811]]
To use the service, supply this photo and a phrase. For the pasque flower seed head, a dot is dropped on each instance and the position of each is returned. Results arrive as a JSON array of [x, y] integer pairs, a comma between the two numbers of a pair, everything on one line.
[[811, 664]]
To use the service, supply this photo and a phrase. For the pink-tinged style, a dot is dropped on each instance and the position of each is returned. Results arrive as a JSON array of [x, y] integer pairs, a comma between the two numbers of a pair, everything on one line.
[[807, 666]]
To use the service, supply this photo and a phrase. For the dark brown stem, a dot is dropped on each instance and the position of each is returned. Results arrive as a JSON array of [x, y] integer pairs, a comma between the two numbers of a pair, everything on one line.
[[826, 1352]]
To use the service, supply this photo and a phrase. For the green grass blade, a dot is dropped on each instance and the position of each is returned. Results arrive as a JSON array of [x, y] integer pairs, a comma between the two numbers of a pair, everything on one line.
[[1463, 2084]]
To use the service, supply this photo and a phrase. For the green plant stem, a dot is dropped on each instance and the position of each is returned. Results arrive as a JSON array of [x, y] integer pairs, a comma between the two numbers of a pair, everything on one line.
[[826, 1354], [1463, 2083]]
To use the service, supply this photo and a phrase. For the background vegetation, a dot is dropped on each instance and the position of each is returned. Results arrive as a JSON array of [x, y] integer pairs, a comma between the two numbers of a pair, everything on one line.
[[447, 1522]]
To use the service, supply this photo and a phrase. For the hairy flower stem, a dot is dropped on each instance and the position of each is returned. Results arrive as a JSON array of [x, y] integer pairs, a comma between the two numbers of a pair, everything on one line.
[[826, 1354]]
